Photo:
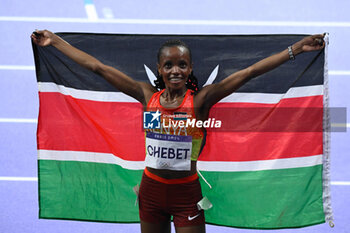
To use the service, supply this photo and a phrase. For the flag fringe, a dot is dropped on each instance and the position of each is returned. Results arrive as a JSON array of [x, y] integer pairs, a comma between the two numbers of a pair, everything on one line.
[[326, 143]]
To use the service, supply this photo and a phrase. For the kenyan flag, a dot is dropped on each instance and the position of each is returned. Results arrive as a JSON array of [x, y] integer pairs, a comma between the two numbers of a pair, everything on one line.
[[267, 165]]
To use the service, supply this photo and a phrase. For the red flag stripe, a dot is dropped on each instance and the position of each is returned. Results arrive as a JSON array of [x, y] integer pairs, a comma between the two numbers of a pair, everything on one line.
[[66, 123]]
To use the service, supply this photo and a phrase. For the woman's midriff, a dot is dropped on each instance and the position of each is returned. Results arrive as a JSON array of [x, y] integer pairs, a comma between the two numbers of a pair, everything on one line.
[[171, 174]]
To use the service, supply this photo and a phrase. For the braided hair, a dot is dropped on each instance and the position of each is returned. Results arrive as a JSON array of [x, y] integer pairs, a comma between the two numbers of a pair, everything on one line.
[[192, 82]]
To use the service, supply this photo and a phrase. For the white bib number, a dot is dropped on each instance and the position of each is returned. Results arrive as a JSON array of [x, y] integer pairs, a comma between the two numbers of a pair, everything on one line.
[[172, 152]]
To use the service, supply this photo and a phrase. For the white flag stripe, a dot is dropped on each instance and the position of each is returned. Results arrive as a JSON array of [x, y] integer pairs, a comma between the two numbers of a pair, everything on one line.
[[260, 164], [85, 94], [82, 156], [296, 92], [94, 157], [263, 98]]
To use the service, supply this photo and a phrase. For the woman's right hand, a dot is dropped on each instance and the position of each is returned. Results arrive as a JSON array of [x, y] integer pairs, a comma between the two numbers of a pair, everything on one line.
[[138, 90], [43, 37]]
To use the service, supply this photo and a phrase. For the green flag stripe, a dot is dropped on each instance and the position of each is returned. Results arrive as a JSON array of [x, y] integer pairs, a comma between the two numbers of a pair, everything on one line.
[[266, 199], [257, 199], [88, 191]]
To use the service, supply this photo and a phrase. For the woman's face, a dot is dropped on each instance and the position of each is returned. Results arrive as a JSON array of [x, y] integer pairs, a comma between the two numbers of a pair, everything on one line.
[[175, 66]]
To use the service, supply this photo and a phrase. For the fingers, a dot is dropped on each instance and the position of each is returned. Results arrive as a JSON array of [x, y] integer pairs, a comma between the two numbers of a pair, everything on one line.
[[36, 35], [323, 45], [317, 40], [318, 35], [313, 42], [41, 37]]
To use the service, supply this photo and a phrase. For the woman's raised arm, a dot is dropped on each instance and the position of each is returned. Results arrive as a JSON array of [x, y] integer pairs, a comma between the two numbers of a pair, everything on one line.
[[139, 90], [212, 94]]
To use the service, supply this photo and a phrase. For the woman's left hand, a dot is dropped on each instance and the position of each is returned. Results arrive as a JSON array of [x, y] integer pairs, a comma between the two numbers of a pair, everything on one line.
[[309, 43]]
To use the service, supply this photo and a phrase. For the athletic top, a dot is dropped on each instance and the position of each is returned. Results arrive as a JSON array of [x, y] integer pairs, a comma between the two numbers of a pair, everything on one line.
[[177, 138]]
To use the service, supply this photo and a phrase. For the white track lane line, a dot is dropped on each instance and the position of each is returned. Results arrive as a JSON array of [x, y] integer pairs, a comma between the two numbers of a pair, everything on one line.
[[182, 22], [339, 72], [340, 183], [18, 120], [23, 67], [18, 178], [15, 67]]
